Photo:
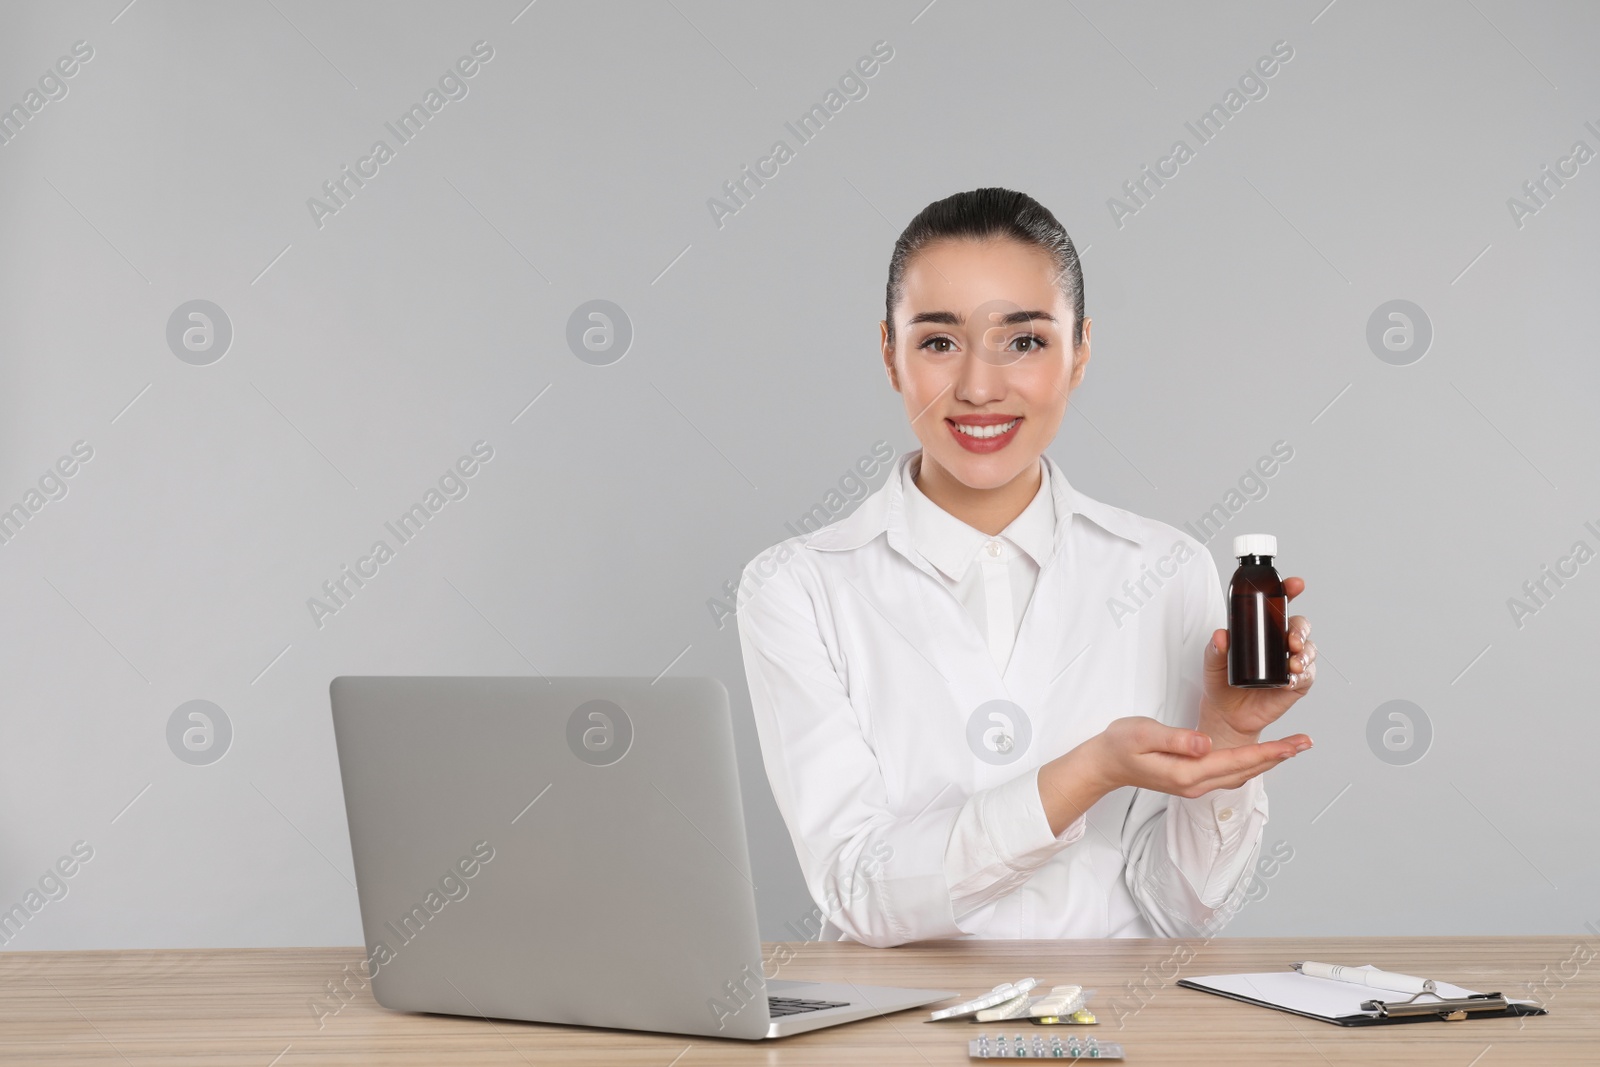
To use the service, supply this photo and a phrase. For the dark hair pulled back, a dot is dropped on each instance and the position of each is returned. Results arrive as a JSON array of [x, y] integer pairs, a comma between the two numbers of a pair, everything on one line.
[[988, 213]]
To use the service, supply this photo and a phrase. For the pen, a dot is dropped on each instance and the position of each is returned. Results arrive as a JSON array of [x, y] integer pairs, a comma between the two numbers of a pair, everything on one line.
[[1404, 983]]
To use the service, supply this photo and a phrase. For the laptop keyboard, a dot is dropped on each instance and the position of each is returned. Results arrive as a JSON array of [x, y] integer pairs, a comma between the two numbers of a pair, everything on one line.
[[781, 1006]]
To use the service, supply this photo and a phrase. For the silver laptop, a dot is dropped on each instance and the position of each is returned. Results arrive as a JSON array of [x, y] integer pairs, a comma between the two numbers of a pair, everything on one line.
[[566, 850]]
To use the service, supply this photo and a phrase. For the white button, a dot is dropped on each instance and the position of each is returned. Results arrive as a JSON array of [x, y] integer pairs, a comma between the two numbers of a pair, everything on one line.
[[1225, 814], [994, 548]]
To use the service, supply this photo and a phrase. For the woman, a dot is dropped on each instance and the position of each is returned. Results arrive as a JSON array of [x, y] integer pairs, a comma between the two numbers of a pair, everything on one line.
[[964, 737]]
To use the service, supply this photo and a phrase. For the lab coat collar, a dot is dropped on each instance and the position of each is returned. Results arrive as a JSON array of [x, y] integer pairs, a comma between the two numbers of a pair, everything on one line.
[[952, 546], [884, 513]]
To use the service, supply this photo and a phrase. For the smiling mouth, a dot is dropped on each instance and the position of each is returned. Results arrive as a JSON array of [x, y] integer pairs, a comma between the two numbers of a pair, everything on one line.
[[984, 434], [998, 429]]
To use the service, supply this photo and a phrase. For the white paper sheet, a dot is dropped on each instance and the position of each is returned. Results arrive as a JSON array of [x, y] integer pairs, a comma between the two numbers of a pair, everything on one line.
[[1322, 997]]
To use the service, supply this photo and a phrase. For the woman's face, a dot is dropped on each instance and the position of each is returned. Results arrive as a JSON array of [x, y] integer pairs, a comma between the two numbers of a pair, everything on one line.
[[983, 356]]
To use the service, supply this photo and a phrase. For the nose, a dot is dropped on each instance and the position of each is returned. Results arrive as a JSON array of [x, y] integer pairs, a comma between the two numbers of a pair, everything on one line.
[[982, 377]]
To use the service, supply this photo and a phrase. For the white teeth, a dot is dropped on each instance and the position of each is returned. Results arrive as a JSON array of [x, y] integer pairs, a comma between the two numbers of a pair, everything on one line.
[[987, 431]]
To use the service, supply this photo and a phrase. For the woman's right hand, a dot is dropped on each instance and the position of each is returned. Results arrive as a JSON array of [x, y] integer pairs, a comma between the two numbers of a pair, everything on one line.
[[1148, 754]]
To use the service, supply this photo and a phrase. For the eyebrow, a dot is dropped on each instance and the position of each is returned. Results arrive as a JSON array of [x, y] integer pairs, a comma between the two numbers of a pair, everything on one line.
[[950, 318]]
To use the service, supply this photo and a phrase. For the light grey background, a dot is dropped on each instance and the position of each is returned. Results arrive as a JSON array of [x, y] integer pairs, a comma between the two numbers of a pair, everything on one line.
[[1230, 313]]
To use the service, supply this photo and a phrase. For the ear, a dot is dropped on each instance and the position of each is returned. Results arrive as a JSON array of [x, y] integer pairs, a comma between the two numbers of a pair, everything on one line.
[[888, 354], [1080, 356]]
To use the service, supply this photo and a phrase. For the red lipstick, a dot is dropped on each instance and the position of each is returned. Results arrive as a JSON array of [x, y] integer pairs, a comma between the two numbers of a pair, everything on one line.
[[986, 444]]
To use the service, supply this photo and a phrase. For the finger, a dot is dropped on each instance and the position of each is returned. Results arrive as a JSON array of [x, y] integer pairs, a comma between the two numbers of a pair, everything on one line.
[[1250, 770], [1293, 587], [1230, 761], [1301, 682], [1157, 737], [1216, 657]]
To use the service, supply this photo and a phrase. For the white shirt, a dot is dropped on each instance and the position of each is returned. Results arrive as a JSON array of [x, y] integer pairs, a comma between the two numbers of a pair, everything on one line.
[[911, 795], [993, 577]]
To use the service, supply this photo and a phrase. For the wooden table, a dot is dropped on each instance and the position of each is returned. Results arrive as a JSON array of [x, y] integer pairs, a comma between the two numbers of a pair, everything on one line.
[[253, 1007]]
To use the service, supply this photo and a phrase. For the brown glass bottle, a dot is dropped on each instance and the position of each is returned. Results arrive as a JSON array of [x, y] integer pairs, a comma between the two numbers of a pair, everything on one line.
[[1258, 621]]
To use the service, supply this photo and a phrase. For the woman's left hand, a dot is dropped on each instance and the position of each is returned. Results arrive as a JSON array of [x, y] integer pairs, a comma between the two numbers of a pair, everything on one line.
[[1234, 717]]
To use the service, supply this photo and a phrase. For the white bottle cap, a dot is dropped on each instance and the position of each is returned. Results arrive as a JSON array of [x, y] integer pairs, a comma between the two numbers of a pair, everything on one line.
[[1255, 545]]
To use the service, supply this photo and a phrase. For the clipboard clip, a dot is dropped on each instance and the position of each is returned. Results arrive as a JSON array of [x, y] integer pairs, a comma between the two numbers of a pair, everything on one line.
[[1449, 1009]]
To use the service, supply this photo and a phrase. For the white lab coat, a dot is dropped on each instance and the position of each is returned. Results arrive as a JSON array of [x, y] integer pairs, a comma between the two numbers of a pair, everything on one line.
[[910, 820]]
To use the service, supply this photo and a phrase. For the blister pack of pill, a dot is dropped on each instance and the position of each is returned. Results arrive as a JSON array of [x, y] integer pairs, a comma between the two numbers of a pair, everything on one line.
[[1038, 1046]]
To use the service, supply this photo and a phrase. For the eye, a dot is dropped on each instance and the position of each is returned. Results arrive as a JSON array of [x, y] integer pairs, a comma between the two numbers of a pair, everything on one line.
[[936, 340], [1030, 342]]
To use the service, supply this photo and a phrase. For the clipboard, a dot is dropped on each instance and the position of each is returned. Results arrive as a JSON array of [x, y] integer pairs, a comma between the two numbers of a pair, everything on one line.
[[1348, 1004]]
